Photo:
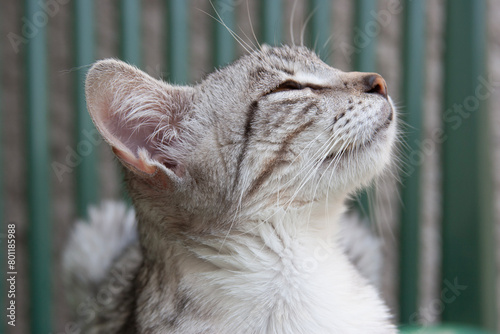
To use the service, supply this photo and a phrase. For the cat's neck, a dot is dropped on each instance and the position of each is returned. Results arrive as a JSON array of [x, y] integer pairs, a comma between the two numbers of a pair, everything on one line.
[[282, 266], [272, 236]]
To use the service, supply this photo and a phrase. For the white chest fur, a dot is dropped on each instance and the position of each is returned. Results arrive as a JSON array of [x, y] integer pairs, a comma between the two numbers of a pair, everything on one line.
[[281, 277]]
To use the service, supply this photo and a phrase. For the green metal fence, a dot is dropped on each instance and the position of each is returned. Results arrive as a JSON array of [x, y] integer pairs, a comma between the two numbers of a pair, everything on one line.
[[467, 226], [413, 78], [38, 176]]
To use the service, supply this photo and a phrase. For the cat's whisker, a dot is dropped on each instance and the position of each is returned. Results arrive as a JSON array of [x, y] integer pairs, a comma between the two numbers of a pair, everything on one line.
[[312, 160], [237, 38], [338, 156], [315, 160], [329, 51], [292, 17], [339, 153], [252, 45], [252, 28], [336, 159], [322, 152], [316, 44], [326, 43], [309, 146], [319, 182], [310, 174], [304, 26]]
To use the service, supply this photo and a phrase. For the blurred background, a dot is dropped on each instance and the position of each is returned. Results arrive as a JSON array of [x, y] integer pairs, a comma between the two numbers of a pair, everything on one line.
[[439, 220]]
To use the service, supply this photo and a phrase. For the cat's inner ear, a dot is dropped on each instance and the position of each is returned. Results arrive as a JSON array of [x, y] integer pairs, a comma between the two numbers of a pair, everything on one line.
[[140, 117]]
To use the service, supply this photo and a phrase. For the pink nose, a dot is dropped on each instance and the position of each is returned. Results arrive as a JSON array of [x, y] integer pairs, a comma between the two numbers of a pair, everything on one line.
[[376, 84]]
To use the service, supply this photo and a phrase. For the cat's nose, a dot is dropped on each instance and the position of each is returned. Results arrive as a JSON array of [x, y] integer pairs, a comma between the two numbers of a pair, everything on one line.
[[374, 83]]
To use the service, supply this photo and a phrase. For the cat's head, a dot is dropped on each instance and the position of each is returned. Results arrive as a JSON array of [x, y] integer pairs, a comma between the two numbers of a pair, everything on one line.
[[276, 127]]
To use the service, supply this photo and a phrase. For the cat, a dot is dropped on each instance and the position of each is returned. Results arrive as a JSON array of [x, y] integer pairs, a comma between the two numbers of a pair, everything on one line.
[[238, 185]]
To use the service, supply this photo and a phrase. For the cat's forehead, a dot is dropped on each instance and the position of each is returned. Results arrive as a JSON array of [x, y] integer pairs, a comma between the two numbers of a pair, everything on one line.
[[272, 64], [292, 60], [269, 66]]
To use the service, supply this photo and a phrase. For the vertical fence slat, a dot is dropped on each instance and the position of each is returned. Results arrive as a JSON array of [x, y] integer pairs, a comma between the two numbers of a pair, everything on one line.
[[487, 224], [224, 51], [271, 21], [487, 236], [461, 220], [320, 31], [131, 48], [86, 172], [413, 85], [38, 172], [364, 41], [364, 45], [178, 41]]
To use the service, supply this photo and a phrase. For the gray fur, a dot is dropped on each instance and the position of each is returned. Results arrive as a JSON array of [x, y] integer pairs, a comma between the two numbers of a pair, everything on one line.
[[238, 185]]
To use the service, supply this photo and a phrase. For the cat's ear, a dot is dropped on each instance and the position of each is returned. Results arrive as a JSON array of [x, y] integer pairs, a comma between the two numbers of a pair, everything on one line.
[[139, 116]]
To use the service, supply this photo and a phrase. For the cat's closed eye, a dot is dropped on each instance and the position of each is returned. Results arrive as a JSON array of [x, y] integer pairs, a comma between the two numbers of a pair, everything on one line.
[[289, 85]]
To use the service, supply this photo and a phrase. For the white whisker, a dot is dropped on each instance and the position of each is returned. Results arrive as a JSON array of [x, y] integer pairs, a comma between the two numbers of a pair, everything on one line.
[[302, 31], [251, 27], [294, 7]]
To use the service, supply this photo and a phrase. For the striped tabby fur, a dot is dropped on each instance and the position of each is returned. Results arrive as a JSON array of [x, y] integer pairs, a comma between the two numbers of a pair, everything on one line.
[[238, 184]]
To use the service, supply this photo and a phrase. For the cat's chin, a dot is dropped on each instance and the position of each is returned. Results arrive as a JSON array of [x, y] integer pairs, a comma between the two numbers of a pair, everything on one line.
[[381, 137], [356, 166]]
